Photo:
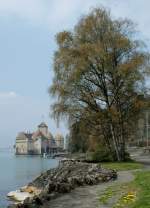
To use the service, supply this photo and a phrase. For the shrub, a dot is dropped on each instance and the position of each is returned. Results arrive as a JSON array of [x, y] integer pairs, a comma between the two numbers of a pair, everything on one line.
[[102, 154]]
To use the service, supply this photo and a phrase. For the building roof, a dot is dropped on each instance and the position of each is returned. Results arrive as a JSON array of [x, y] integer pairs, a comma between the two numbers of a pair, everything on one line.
[[28, 135], [43, 125], [23, 135], [38, 134]]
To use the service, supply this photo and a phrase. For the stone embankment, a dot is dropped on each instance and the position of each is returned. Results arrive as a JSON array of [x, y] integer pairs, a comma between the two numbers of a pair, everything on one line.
[[69, 175]]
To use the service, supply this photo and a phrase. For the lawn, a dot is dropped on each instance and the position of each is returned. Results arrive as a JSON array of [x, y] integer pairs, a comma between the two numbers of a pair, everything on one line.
[[120, 166], [119, 196], [142, 184], [130, 195]]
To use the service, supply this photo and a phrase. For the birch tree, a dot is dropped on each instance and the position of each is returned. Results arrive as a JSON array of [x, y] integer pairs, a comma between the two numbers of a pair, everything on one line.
[[99, 72]]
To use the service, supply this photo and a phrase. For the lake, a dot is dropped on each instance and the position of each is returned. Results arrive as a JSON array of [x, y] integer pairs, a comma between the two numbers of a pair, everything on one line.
[[17, 171]]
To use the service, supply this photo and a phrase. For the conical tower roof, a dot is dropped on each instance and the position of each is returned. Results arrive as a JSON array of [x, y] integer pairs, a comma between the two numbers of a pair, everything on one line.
[[43, 124]]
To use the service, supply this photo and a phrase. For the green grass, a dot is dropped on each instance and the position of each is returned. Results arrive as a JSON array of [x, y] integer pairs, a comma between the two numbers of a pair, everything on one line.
[[120, 166], [130, 195], [108, 194], [123, 196], [142, 183], [133, 195]]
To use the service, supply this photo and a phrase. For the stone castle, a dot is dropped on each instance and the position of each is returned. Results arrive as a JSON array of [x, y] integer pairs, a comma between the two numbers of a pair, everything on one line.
[[38, 142]]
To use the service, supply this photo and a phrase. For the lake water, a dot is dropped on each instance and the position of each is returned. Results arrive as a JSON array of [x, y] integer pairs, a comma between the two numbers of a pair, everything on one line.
[[17, 171]]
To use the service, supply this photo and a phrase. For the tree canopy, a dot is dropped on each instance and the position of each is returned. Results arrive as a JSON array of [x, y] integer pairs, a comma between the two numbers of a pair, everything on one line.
[[99, 73]]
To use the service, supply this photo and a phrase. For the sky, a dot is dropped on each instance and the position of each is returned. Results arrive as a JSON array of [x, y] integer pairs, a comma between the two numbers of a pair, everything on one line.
[[27, 45]]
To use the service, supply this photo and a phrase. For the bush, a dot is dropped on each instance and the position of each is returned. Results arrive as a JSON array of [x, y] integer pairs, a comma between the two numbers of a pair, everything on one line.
[[102, 154], [127, 157]]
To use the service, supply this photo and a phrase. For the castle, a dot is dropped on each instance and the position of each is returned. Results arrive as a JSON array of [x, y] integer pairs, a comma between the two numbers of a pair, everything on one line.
[[38, 142]]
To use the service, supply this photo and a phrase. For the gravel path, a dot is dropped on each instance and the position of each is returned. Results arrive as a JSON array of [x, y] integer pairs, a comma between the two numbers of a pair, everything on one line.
[[87, 197]]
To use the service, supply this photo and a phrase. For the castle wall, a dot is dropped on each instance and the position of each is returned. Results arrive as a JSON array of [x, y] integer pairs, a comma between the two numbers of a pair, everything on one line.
[[44, 146], [22, 146], [30, 146], [37, 146]]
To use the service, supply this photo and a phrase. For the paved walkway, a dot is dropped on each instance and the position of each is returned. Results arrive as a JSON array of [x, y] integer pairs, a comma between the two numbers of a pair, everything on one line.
[[88, 196]]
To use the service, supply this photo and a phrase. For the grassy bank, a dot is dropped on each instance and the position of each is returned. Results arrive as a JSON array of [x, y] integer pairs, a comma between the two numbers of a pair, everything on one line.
[[130, 195], [120, 166], [142, 185]]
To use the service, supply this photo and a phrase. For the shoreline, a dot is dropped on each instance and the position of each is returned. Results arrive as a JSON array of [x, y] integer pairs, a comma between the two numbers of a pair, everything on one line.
[[55, 182], [19, 171]]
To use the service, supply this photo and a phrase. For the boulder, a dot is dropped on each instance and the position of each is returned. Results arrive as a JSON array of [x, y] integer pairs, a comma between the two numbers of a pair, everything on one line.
[[18, 196]]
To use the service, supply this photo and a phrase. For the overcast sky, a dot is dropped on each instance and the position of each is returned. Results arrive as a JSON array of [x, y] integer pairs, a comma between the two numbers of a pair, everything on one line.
[[27, 44]]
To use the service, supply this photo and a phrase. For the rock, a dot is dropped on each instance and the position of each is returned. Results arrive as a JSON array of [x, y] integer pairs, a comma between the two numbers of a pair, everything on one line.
[[18, 196], [24, 194], [30, 189]]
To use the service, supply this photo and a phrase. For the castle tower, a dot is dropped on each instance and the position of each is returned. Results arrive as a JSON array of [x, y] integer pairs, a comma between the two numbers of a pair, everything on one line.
[[43, 128]]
